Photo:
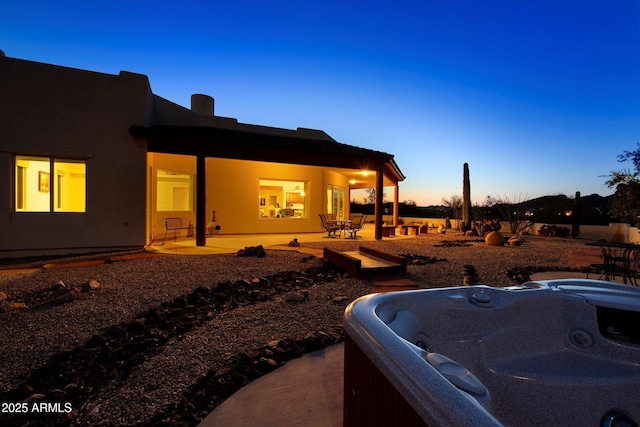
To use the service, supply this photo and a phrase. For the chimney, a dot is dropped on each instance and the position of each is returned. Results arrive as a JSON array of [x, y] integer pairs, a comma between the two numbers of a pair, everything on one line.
[[202, 104]]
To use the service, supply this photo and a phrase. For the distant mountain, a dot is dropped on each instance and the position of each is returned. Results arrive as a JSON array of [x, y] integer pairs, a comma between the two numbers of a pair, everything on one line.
[[594, 208], [594, 200], [550, 209]]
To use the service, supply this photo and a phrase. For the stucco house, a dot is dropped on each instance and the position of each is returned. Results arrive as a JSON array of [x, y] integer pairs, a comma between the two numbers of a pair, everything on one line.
[[92, 161]]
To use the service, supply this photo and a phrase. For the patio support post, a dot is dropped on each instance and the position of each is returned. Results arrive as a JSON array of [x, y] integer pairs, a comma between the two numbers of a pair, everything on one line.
[[396, 199], [379, 195], [201, 200]]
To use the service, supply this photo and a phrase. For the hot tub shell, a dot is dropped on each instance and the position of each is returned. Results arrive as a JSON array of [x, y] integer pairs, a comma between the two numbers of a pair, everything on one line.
[[562, 352]]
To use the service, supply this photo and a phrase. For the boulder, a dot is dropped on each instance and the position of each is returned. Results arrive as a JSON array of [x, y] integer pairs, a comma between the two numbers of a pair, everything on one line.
[[514, 241], [494, 239]]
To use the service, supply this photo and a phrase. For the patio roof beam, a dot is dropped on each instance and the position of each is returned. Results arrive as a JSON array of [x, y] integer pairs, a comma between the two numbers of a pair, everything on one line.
[[231, 144]]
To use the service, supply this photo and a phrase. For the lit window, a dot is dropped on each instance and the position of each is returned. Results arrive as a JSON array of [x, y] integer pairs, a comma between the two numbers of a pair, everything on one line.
[[69, 189], [38, 190], [174, 191], [282, 199]]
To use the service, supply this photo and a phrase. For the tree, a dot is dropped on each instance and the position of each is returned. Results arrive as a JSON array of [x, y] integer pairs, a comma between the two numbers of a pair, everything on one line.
[[371, 196], [455, 204], [633, 155], [625, 205]]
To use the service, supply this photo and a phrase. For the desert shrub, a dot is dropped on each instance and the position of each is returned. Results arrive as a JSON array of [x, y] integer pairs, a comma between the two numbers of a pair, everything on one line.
[[485, 226], [554, 231]]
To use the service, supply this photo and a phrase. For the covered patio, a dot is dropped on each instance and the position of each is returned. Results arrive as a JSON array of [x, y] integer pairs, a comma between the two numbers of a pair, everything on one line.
[[224, 244], [222, 138]]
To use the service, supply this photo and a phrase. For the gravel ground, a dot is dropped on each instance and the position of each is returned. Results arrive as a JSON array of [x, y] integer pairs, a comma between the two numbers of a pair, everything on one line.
[[31, 336]]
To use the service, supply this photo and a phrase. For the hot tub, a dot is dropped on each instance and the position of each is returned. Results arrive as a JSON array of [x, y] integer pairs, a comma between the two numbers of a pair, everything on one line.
[[557, 353]]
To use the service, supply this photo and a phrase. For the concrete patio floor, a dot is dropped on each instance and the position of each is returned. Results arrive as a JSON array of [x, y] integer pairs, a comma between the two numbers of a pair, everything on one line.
[[230, 243]]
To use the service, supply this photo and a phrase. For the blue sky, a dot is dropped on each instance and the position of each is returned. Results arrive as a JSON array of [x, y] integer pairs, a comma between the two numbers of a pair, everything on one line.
[[539, 97]]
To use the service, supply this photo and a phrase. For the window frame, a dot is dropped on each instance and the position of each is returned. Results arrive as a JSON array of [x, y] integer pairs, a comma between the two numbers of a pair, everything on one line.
[[287, 202], [50, 184], [191, 190]]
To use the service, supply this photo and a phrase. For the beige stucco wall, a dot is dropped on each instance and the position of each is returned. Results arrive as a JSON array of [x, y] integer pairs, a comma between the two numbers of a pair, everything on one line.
[[233, 188], [53, 111], [57, 112]]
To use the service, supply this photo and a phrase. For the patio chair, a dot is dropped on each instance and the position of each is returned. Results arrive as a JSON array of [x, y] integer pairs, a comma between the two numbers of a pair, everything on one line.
[[326, 226], [356, 226]]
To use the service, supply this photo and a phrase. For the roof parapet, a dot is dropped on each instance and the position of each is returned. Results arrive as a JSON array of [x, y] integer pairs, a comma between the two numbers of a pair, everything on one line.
[[202, 104]]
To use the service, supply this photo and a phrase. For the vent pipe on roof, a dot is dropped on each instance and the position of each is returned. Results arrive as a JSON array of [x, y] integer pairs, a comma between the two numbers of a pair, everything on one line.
[[202, 104]]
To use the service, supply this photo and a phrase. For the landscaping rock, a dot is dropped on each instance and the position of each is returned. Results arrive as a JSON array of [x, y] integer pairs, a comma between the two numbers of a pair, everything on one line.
[[294, 296], [494, 239], [514, 241], [252, 251], [6, 306], [294, 243], [90, 286], [470, 276], [72, 295]]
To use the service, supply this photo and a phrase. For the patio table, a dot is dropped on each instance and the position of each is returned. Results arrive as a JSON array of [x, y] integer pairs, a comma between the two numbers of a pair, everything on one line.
[[342, 223], [619, 260]]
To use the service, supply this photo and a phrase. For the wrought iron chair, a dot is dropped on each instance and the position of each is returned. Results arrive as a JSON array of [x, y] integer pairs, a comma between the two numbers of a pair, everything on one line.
[[356, 226], [326, 226]]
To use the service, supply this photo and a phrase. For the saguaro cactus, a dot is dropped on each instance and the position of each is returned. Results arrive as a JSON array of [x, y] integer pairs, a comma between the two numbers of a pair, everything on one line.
[[466, 199], [576, 215]]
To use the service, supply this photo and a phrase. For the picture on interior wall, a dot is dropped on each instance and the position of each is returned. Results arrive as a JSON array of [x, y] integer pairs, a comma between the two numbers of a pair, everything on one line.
[[43, 182]]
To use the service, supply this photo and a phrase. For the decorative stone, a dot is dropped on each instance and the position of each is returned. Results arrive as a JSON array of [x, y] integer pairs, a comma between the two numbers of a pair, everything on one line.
[[252, 251], [90, 286], [294, 243], [494, 239], [340, 299], [294, 296], [58, 285], [72, 295], [514, 241], [6, 306], [470, 276], [3, 296]]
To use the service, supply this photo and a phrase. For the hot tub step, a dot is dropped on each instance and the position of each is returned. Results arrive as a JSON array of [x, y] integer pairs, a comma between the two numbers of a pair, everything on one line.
[[367, 262], [393, 285]]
